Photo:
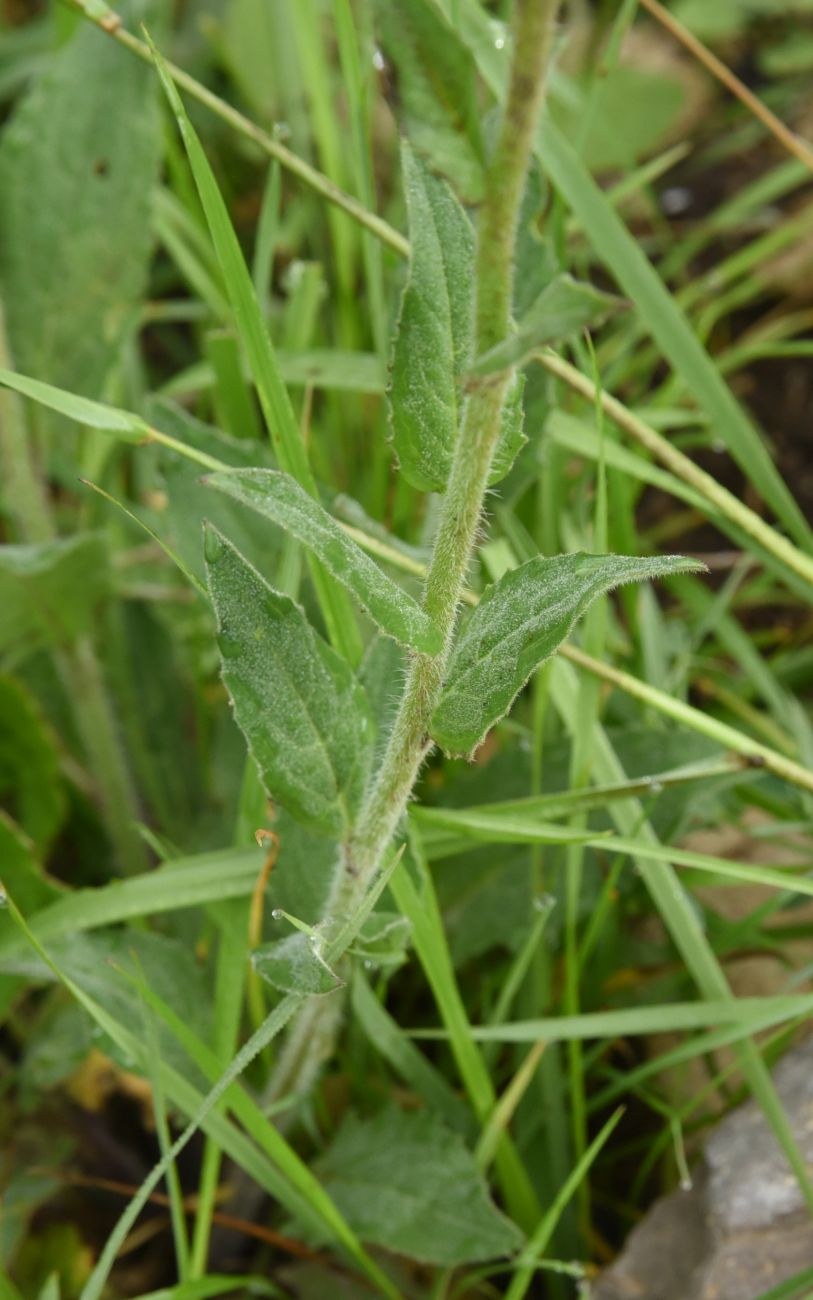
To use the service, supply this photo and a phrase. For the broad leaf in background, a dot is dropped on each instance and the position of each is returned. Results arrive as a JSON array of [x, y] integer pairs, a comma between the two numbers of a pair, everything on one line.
[[432, 350], [436, 91], [520, 621], [49, 592], [84, 144], [31, 787], [409, 1184], [564, 307], [294, 965], [22, 879], [278, 497], [304, 715]]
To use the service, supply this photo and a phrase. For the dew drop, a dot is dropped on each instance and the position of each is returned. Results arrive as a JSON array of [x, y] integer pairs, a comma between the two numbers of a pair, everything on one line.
[[656, 787], [3, 898], [718, 446], [544, 902], [282, 131], [676, 199], [277, 914], [499, 44]]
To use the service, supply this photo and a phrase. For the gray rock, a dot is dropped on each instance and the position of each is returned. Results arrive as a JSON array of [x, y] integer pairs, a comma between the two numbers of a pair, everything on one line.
[[743, 1227]]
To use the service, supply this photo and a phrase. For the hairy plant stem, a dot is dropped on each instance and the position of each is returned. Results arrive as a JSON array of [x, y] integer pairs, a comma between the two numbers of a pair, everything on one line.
[[463, 503], [410, 740]]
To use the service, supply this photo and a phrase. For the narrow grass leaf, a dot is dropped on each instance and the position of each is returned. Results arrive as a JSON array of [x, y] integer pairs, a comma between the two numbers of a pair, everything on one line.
[[81, 409], [632, 271], [278, 497], [187, 882], [519, 623], [667, 323], [274, 400], [507, 827], [669, 1017], [297, 1187], [304, 715], [273, 395], [537, 1245]]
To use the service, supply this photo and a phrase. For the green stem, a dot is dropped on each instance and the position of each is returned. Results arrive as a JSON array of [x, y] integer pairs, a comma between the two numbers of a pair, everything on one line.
[[410, 741]]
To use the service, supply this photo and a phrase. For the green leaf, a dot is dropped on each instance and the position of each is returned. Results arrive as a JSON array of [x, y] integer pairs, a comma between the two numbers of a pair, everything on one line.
[[407, 1183], [629, 266], [564, 307], [432, 350], [49, 592], [433, 339], [383, 939], [253, 333], [304, 716], [512, 437], [668, 325], [21, 874], [94, 414], [520, 621], [279, 497], [436, 92], [85, 146], [295, 965], [187, 882], [251, 327], [31, 785]]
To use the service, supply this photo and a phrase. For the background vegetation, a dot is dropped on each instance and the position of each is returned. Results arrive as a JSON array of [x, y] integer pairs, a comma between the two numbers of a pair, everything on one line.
[[609, 907]]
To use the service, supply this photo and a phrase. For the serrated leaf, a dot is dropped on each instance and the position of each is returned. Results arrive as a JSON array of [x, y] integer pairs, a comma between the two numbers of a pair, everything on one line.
[[84, 143], [294, 965], [407, 1183], [278, 497], [564, 307], [520, 621], [304, 715], [49, 592], [436, 92], [432, 350]]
